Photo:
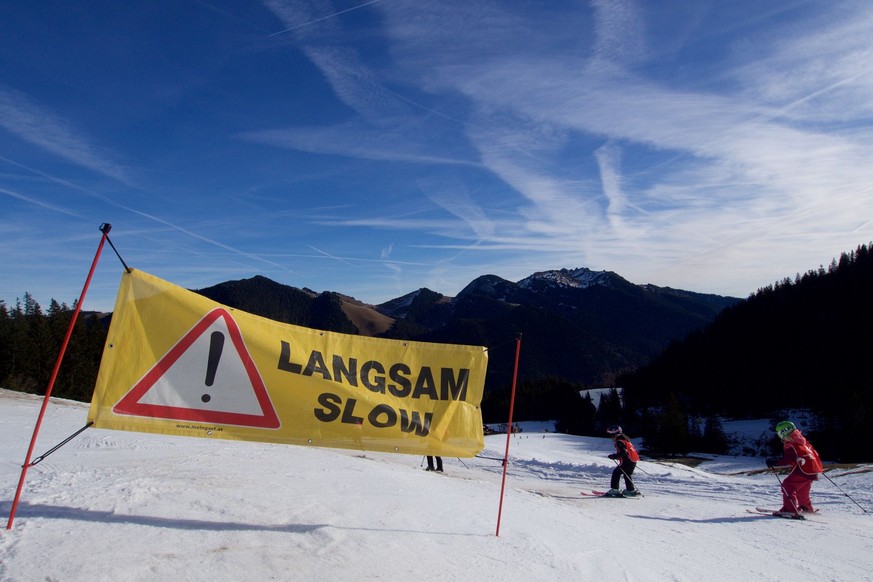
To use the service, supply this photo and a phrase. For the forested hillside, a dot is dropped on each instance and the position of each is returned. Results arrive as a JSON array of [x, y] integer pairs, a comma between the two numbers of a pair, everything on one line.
[[800, 343], [30, 341]]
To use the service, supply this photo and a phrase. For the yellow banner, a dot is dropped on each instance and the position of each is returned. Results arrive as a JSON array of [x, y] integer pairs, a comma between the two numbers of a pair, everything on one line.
[[178, 363]]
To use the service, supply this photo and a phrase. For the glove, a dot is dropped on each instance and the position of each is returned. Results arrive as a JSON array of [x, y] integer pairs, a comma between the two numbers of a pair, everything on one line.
[[771, 463], [613, 456]]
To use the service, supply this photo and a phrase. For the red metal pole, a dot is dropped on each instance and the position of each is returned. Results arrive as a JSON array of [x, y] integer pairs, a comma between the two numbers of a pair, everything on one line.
[[508, 432], [104, 228]]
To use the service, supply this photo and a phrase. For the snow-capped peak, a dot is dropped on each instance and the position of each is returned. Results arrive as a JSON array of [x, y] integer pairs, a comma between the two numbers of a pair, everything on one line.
[[581, 278]]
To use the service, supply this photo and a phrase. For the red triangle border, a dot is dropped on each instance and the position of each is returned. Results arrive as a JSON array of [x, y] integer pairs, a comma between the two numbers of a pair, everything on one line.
[[129, 405]]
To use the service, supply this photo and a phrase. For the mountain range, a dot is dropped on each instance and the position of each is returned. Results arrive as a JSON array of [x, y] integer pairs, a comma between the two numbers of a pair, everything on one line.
[[578, 325]]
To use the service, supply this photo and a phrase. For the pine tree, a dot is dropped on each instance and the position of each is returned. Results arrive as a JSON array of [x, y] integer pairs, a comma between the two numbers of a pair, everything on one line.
[[670, 433], [714, 439]]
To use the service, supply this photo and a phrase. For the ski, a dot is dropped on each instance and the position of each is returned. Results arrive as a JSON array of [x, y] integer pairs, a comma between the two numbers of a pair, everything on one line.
[[592, 493], [773, 513], [595, 493]]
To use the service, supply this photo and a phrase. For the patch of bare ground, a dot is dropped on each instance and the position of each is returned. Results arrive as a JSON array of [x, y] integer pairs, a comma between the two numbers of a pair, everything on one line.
[[368, 321]]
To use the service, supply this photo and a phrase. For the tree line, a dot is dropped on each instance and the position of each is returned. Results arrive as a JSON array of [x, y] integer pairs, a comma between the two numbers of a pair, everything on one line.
[[31, 339]]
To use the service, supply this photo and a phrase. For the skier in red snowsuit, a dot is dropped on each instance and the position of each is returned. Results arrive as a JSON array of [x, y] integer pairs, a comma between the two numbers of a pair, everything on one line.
[[628, 458], [805, 465]]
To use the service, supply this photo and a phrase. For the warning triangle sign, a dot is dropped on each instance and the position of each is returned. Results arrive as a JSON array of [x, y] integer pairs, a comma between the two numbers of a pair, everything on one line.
[[208, 376]]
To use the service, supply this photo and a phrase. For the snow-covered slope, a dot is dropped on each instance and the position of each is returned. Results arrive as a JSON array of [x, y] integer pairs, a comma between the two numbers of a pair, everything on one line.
[[126, 506]]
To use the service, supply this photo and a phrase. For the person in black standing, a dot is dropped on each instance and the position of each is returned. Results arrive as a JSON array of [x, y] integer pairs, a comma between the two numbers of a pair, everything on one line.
[[439, 464]]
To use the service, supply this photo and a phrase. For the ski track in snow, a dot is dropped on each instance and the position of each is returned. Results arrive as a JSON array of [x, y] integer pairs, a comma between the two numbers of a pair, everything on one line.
[[113, 505]]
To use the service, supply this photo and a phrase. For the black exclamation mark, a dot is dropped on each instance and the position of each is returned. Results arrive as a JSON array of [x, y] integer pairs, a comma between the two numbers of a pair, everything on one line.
[[216, 344]]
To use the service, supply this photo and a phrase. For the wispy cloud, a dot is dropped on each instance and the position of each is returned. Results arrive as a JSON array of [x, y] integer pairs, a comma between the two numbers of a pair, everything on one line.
[[40, 127], [619, 31], [715, 139], [364, 141], [609, 160], [825, 73], [452, 196]]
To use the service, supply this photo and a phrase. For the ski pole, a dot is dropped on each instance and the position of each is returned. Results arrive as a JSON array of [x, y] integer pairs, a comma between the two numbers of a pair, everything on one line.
[[844, 493], [643, 470], [657, 479], [785, 492]]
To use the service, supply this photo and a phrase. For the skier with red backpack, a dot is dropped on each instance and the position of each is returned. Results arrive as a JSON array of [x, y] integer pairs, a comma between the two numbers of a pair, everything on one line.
[[628, 457], [805, 465]]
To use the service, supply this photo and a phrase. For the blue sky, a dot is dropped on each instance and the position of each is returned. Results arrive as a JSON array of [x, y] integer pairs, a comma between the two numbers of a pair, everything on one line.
[[376, 147]]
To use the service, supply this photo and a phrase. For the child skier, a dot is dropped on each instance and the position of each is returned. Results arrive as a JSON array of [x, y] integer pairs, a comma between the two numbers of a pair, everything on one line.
[[806, 465], [625, 451]]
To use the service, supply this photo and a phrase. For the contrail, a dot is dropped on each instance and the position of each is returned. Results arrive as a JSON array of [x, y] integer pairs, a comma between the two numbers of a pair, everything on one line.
[[109, 201], [36, 202], [325, 17], [326, 254]]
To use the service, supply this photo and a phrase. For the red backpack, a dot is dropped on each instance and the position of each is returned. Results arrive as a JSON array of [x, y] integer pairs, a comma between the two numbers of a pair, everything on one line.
[[632, 453]]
